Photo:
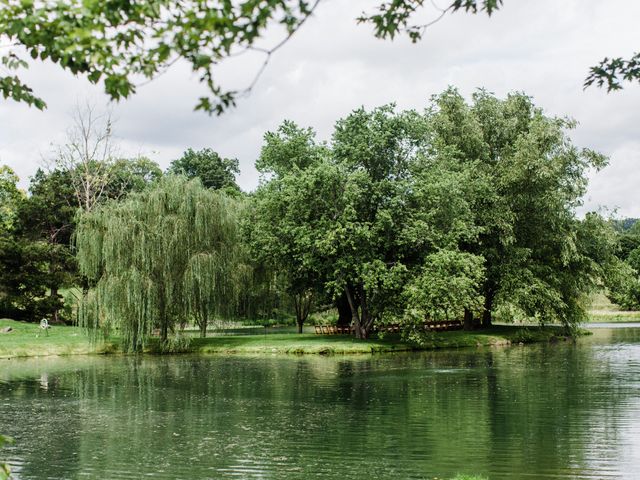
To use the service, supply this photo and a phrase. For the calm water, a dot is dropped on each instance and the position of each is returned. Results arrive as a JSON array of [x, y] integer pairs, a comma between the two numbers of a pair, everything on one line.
[[542, 412]]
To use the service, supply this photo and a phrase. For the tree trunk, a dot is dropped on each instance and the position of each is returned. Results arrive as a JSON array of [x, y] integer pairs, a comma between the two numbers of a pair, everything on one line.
[[366, 322], [164, 331], [354, 312], [488, 306], [302, 302], [202, 319], [85, 286], [468, 319], [164, 324], [362, 322], [54, 296], [344, 311]]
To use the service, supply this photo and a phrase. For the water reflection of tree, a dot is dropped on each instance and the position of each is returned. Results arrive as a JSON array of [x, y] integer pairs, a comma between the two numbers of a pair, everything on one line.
[[533, 409], [41, 416]]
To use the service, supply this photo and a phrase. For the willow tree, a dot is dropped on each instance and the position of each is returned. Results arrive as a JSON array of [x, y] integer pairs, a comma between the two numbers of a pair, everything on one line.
[[160, 258]]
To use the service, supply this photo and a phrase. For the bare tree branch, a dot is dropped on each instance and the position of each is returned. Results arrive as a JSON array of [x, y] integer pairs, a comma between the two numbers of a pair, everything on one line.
[[269, 52], [88, 154]]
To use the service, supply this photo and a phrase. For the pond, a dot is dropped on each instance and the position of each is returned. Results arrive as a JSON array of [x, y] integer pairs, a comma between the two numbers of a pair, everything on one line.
[[563, 410]]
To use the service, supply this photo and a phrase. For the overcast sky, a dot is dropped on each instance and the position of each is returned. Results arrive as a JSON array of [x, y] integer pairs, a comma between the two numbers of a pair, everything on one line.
[[332, 65]]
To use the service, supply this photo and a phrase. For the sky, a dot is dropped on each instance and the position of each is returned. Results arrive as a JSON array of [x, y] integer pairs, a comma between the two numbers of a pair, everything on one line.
[[332, 66]]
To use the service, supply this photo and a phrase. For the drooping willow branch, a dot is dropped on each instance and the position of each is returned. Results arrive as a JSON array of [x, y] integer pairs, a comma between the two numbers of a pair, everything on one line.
[[160, 258]]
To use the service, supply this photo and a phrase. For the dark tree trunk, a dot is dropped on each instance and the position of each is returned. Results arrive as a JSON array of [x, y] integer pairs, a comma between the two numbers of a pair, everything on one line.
[[362, 322], [366, 322], [164, 323], [302, 303], [354, 312], [468, 319], [202, 319], [54, 296], [164, 331], [488, 307], [85, 286], [344, 311]]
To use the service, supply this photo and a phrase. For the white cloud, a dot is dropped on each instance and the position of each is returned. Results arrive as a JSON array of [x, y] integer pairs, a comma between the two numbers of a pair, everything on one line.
[[333, 65]]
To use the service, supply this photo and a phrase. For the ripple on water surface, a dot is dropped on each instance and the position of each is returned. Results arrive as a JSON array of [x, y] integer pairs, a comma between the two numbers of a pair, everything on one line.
[[545, 412]]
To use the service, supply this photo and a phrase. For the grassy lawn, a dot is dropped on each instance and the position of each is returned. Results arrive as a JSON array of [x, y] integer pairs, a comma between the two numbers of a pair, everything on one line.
[[27, 340], [614, 317], [603, 311], [295, 344], [344, 344]]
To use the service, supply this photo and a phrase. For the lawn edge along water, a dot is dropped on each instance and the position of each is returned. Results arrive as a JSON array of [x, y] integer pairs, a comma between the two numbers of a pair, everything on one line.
[[28, 340]]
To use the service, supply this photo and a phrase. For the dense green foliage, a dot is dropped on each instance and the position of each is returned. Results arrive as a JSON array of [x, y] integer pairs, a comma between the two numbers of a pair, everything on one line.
[[36, 254], [212, 170], [35, 251], [530, 179], [130, 175], [624, 280], [460, 209], [10, 197], [117, 43]]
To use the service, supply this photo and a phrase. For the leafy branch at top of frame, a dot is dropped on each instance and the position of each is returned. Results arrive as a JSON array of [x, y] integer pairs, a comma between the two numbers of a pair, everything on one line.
[[125, 45]]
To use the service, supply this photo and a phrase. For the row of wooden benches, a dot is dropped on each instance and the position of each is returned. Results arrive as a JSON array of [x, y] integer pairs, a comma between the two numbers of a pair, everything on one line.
[[333, 330], [390, 328]]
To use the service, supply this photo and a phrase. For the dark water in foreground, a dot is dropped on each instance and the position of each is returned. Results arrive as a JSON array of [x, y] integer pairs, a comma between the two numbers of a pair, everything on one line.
[[538, 412]]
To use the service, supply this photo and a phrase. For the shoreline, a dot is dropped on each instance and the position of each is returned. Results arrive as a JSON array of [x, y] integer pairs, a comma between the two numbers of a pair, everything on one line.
[[28, 340]]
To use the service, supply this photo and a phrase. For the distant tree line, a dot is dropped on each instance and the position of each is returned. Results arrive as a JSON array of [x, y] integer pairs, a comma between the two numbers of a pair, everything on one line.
[[624, 280]]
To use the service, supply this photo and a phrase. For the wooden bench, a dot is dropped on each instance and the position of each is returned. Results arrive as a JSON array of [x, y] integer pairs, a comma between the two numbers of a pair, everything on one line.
[[332, 329], [443, 326]]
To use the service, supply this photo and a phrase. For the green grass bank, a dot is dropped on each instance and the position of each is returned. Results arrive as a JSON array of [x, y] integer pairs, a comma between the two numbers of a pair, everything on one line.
[[29, 340], [603, 311]]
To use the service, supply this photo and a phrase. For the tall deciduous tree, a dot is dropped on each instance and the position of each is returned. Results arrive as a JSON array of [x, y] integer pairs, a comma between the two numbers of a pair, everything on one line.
[[273, 227], [47, 216], [36, 256], [402, 205], [530, 179], [462, 209], [88, 155], [160, 256], [213, 171], [359, 216]]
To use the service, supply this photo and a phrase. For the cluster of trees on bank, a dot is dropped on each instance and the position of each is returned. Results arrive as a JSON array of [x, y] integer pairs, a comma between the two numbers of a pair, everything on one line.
[[462, 210], [37, 230], [465, 210]]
